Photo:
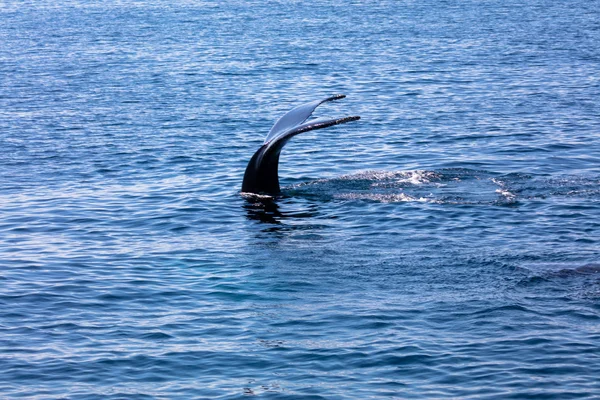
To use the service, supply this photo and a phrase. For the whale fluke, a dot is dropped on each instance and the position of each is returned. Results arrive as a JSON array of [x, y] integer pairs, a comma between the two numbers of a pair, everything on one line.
[[261, 174]]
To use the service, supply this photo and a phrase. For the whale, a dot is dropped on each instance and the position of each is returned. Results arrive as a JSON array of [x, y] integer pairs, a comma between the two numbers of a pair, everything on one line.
[[262, 175]]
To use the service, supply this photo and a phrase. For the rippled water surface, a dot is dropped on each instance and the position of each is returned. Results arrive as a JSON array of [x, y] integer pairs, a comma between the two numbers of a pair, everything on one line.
[[446, 245]]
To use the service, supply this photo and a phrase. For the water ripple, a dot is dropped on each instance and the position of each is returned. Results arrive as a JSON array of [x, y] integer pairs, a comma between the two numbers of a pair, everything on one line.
[[444, 247]]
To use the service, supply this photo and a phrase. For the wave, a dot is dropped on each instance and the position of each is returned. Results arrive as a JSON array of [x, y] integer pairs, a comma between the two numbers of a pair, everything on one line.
[[446, 186]]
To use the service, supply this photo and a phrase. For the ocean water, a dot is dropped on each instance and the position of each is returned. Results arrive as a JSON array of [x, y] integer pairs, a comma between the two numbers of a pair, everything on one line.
[[447, 245]]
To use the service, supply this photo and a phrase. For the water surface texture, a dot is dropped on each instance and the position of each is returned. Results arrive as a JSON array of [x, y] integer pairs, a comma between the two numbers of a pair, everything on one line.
[[447, 245]]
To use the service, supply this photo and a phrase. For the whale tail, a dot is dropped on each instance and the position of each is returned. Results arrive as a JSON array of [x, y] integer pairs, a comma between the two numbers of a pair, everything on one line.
[[261, 174]]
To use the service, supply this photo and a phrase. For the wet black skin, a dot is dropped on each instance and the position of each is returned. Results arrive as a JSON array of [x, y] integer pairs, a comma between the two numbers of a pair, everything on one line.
[[261, 174]]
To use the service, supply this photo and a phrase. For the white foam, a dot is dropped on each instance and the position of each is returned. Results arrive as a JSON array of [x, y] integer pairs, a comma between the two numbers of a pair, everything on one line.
[[502, 191], [248, 195], [416, 177], [382, 198]]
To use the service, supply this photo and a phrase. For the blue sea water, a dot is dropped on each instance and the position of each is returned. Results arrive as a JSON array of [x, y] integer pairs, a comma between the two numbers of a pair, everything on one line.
[[447, 245]]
